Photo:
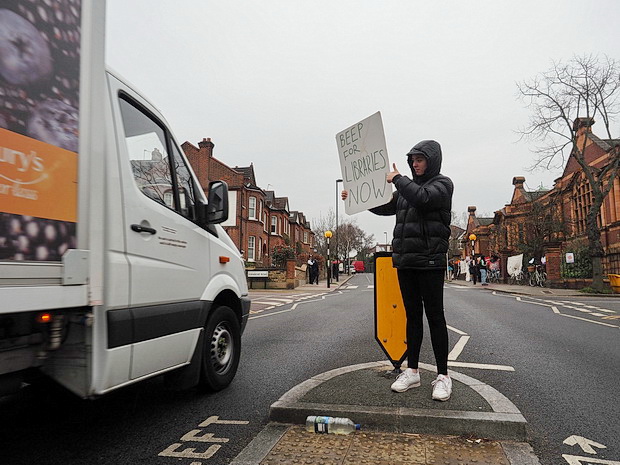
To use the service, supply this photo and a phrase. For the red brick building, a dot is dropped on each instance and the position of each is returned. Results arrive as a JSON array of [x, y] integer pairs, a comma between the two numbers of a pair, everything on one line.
[[552, 222], [261, 221], [300, 233]]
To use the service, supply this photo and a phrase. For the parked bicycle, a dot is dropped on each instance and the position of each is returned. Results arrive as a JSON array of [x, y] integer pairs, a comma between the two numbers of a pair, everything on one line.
[[517, 278], [493, 276], [537, 276]]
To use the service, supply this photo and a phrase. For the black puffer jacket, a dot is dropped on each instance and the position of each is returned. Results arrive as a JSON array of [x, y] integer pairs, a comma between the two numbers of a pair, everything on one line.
[[423, 211]]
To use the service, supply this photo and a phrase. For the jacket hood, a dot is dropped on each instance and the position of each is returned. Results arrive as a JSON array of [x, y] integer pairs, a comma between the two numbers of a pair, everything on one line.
[[431, 150]]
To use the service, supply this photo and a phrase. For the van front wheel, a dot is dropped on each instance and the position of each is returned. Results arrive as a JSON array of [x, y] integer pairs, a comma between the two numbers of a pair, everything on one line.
[[221, 349]]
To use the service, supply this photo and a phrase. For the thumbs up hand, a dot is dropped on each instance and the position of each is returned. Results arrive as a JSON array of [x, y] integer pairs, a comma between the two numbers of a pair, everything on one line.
[[391, 174]]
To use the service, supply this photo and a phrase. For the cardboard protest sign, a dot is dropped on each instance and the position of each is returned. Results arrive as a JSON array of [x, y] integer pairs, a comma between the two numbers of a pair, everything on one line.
[[364, 164]]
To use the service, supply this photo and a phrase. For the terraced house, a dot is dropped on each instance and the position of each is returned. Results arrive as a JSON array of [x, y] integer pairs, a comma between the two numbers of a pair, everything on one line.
[[259, 220]]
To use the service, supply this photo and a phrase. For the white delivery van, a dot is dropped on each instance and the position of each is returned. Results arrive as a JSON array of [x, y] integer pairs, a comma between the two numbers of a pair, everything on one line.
[[113, 265]]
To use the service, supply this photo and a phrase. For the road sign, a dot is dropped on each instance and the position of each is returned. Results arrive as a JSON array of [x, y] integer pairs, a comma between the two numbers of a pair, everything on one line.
[[390, 317]]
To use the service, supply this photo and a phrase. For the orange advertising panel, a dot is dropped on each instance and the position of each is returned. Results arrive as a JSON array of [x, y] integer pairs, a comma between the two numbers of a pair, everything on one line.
[[39, 128], [37, 179]]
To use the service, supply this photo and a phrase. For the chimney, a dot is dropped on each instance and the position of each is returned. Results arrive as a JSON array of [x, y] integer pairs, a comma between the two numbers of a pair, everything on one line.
[[207, 145], [583, 125]]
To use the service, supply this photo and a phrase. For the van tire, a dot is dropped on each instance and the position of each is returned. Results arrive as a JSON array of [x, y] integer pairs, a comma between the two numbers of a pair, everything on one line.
[[221, 349]]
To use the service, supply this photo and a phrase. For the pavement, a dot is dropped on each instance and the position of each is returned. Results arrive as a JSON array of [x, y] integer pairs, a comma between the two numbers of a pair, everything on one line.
[[498, 287], [529, 290], [478, 425]]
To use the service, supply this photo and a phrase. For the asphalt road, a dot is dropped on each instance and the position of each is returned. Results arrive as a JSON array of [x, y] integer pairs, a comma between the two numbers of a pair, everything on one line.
[[564, 381], [565, 353]]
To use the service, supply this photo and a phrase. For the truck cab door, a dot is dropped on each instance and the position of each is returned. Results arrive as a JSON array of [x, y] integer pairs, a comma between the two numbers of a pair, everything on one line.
[[166, 250]]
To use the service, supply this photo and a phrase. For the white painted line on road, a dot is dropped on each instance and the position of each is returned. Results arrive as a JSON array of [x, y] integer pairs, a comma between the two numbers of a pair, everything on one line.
[[587, 306], [579, 309], [267, 302], [294, 306], [278, 299], [589, 321], [587, 445], [457, 331], [270, 314], [481, 366], [372, 286], [580, 460], [458, 348], [555, 309]]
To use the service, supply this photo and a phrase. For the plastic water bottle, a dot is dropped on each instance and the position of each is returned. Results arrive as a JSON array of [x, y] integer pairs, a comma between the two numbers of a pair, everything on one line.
[[330, 425]]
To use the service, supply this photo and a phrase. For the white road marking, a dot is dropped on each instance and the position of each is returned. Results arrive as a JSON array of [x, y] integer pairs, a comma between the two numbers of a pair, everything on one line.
[[372, 286], [481, 366], [457, 331], [215, 420], [279, 299], [294, 306], [564, 304], [206, 437], [576, 460], [589, 321], [587, 306], [585, 443], [458, 348], [189, 453]]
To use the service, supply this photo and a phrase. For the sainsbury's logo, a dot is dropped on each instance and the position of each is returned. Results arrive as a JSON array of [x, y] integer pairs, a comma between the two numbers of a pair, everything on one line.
[[23, 162]]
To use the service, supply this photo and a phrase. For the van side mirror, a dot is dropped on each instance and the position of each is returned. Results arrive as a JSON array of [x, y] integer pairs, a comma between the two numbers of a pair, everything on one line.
[[217, 208]]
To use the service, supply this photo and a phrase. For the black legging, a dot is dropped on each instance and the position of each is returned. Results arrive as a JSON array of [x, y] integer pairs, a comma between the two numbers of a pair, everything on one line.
[[422, 292]]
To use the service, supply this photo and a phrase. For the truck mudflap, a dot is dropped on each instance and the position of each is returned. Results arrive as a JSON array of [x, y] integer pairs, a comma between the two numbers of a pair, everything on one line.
[[245, 311]]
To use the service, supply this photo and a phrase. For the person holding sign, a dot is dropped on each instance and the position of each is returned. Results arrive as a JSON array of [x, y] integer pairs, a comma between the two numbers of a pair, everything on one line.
[[422, 205]]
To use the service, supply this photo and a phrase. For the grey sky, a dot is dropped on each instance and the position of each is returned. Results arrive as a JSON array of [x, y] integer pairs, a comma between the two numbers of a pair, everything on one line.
[[272, 82]]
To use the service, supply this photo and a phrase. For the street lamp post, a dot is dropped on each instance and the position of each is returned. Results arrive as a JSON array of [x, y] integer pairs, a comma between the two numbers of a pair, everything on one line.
[[472, 238], [337, 181], [328, 235], [386, 247]]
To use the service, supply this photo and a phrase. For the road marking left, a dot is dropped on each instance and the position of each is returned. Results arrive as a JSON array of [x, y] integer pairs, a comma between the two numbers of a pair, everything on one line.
[[587, 445]]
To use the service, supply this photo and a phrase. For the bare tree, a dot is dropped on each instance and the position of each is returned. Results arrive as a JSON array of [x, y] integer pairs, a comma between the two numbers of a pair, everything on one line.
[[319, 226], [349, 236], [544, 225], [563, 100], [353, 238]]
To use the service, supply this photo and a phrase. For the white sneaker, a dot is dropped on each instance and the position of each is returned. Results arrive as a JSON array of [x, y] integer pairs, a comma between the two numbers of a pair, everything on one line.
[[442, 388], [406, 380]]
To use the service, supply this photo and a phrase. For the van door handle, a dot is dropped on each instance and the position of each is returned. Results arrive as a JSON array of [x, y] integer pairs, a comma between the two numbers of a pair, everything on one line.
[[139, 228]]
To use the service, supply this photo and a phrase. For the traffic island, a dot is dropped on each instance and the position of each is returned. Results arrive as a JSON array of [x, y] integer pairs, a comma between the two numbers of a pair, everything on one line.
[[362, 393]]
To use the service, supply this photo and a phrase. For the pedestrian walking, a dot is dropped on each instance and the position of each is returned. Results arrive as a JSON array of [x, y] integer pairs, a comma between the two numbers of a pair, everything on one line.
[[482, 268], [315, 272], [422, 206], [473, 271]]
